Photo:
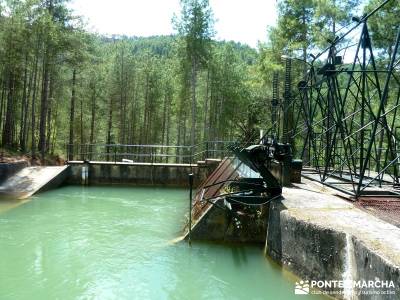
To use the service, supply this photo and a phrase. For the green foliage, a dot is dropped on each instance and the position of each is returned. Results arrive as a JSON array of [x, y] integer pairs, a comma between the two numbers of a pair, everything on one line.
[[195, 26], [125, 89], [384, 24], [178, 89], [330, 16], [294, 24], [303, 27]]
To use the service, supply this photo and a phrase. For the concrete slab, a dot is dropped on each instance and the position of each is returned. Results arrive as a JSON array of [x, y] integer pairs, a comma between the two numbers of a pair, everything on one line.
[[331, 212], [118, 163], [29, 181], [320, 236]]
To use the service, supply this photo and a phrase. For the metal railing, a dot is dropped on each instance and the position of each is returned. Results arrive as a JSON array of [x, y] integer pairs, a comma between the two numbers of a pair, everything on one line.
[[148, 153]]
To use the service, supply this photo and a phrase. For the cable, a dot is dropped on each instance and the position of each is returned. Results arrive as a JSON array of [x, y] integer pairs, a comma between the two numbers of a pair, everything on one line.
[[255, 204]]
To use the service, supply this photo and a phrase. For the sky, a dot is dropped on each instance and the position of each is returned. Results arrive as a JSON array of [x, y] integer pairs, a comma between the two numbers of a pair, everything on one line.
[[242, 21]]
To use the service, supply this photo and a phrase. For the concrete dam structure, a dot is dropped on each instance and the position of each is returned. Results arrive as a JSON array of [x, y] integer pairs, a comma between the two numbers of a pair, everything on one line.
[[314, 231]]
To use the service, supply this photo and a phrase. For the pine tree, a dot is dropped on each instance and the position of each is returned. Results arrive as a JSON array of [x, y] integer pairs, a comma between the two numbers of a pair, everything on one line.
[[196, 27]]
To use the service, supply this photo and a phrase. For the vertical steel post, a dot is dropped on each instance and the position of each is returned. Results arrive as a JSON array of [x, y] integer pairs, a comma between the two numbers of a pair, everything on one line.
[[190, 206]]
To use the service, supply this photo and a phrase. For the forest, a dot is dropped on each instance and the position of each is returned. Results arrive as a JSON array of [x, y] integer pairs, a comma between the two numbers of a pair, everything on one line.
[[61, 84]]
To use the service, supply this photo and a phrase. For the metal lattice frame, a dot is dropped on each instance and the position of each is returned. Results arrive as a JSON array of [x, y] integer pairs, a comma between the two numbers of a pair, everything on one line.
[[346, 125], [343, 119]]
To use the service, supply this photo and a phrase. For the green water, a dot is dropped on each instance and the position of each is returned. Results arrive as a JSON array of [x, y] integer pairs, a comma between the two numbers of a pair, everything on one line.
[[114, 243]]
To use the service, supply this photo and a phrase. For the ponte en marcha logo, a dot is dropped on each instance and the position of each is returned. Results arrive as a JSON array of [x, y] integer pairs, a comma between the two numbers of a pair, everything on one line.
[[305, 287]]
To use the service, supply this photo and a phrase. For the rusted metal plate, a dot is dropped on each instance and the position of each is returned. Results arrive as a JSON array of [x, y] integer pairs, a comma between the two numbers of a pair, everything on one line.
[[227, 170]]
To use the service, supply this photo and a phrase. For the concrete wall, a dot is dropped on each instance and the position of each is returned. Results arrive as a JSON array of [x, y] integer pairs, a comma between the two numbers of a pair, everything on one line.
[[9, 169], [58, 180], [369, 265], [138, 174], [321, 237], [309, 251]]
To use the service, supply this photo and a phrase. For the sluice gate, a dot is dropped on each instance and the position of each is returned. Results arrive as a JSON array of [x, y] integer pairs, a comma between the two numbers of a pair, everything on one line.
[[232, 203]]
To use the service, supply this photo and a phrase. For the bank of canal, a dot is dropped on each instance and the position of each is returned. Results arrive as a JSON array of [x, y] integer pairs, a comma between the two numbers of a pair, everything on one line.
[[114, 243]]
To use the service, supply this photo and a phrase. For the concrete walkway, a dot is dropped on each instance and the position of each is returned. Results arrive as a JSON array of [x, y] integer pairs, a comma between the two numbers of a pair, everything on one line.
[[30, 180], [320, 236], [328, 211]]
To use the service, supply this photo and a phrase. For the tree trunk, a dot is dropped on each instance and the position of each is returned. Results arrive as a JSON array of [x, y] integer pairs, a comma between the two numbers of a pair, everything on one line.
[[24, 107], [49, 112], [81, 123], [179, 124], [33, 116], [109, 128], [305, 26], [193, 86], [205, 124], [211, 124], [26, 116], [122, 91], [72, 118], [2, 103], [220, 113], [8, 130], [44, 108], [167, 125], [134, 112], [34, 95], [91, 139], [164, 119], [334, 20], [184, 133], [53, 139], [144, 133]]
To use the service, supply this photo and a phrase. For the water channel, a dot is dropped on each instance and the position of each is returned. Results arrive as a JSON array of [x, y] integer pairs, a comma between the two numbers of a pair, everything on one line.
[[117, 243]]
